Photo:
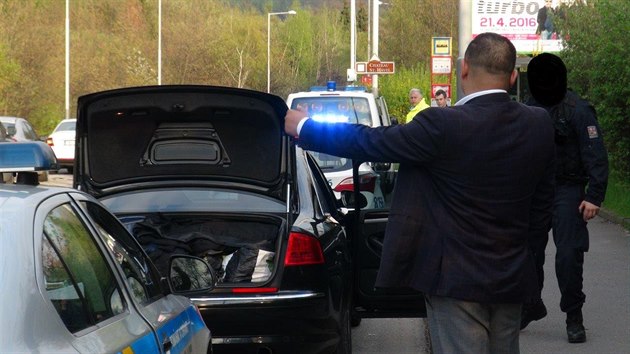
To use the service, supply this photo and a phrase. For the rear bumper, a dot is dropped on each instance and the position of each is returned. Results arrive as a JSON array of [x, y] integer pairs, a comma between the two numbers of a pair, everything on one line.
[[65, 162], [280, 298], [286, 322]]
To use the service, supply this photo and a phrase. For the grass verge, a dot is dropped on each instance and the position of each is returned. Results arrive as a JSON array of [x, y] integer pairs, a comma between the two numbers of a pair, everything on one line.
[[617, 199]]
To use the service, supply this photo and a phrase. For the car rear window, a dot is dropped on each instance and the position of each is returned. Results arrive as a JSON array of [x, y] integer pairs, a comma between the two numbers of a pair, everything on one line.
[[66, 126], [335, 109]]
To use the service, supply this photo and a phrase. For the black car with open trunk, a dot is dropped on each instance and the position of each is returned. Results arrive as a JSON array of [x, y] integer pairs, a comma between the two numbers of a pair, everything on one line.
[[208, 171]]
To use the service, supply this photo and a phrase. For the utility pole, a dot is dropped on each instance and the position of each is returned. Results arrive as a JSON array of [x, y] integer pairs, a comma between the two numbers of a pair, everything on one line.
[[352, 75], [67, 59], [369, 48], [375, 13], [465, 34]]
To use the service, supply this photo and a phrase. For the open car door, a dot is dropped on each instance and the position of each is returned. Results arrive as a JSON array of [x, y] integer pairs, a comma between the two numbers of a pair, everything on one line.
[[368, 232]]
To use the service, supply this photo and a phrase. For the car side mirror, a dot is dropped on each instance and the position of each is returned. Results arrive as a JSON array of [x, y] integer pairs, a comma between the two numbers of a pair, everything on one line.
[[348, 200], [381, 166], [190, 274], [393, 120]]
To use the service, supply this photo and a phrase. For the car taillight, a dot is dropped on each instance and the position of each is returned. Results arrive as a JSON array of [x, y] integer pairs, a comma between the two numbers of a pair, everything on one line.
[[303, 250], [49, 141], [367, 183]]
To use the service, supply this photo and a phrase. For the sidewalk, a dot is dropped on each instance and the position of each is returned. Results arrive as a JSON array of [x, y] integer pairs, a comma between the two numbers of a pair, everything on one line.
[[607, 288]]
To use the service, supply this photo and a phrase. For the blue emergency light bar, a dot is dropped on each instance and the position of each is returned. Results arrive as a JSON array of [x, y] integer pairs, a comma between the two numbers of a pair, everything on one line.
[[27, 156], [332, 86], [356, 88]]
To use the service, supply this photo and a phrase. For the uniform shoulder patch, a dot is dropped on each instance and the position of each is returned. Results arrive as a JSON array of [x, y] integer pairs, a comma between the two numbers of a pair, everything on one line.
[[592, 132]]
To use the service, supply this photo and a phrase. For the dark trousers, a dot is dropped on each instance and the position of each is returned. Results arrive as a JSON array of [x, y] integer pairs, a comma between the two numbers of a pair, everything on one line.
[[570, 236]]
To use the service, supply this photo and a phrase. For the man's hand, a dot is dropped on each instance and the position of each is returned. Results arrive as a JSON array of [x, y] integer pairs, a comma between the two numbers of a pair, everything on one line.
[[588, 210], [291, 121]]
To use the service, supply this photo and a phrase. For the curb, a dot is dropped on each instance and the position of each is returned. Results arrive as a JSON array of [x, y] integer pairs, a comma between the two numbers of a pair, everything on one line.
[[610, 216]]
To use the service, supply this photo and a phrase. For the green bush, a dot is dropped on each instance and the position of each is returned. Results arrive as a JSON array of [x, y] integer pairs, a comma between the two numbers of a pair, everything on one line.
[[596, 55], [396, 88], [46, 117], [618, 196]]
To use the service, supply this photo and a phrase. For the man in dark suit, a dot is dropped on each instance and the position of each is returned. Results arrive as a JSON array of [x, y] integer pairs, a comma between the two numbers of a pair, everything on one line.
[[474, 183]]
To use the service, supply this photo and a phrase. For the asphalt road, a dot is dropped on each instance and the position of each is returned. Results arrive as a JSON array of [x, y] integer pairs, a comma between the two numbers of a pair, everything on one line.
[[607, 288], [606, 311], [63, 179]]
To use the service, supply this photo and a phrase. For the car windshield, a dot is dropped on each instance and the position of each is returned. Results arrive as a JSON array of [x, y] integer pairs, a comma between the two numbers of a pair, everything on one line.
[[66, 126], [335, 109], [191, 199]]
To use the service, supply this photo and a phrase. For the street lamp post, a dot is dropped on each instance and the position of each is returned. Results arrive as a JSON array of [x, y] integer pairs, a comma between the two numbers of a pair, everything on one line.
[[159, 70], [269, 43], [67, 59]]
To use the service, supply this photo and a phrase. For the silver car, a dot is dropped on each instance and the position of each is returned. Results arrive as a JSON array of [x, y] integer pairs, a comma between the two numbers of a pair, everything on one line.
[[19, 129], [74, 280]]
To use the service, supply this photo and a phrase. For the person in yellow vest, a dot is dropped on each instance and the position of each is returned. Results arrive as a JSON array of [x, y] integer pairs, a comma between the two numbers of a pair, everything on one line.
[[417, 103]]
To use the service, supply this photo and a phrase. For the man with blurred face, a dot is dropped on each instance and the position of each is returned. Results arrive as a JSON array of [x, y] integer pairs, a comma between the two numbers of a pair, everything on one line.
[[581, 181]]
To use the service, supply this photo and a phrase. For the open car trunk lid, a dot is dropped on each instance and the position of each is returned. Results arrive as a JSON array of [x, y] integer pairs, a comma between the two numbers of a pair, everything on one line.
[[139, 137]]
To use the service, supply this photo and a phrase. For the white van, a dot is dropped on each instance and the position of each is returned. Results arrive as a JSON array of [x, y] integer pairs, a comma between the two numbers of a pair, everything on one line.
[[351, 104]]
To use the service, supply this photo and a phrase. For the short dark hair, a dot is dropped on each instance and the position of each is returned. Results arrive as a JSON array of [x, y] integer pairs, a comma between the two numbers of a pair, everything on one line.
[[491, 52], [440, 92]]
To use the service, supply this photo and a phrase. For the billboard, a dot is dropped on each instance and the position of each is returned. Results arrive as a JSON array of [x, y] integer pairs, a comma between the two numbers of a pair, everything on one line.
[[529, 24]]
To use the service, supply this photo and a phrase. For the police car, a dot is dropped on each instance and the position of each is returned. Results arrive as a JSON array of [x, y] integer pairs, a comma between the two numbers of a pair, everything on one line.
[[351, 104], [75, 281]]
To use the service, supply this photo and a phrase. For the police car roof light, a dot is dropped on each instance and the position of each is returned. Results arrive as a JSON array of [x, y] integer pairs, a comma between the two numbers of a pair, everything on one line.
[[356, 88], [319, 88], [27, 157], [332, 86]]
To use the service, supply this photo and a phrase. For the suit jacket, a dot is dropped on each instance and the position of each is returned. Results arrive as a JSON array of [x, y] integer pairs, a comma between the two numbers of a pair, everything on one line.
[[475, 183]]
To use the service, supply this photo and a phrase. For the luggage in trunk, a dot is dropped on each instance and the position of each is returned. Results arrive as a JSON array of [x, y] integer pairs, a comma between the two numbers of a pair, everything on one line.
[[240, 249]]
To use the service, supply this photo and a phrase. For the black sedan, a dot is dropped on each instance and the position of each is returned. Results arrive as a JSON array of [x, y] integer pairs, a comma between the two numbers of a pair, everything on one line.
[[208, 171]]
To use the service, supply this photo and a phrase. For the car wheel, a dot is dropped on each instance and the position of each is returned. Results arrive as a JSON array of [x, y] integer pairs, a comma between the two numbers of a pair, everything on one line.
[[345, 340]]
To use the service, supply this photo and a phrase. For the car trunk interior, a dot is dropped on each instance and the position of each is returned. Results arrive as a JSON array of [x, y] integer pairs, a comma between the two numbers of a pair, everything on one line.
[[241, 249]]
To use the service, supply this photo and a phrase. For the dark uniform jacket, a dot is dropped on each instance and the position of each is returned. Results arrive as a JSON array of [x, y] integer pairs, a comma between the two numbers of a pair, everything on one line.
[[581, 154], [474, 182]]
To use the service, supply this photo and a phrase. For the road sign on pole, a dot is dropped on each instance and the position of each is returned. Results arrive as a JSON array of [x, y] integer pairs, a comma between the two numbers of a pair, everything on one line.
[[376, 67], [440, 65]]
